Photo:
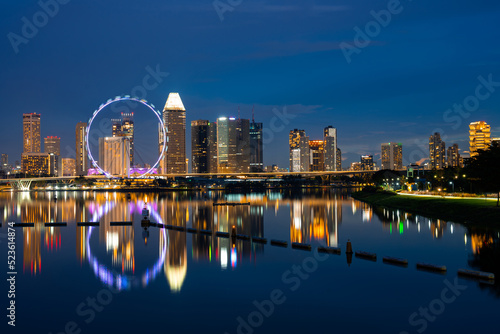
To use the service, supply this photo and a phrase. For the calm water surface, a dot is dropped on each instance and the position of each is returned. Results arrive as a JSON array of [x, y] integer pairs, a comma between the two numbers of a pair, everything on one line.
[[124, 279]]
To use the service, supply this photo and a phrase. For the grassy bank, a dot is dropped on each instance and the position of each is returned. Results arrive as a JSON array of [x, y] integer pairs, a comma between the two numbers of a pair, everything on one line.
[[469, 211]]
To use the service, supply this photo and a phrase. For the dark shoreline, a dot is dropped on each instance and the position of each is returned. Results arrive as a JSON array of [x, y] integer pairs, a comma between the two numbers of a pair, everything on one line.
[[472, 212]]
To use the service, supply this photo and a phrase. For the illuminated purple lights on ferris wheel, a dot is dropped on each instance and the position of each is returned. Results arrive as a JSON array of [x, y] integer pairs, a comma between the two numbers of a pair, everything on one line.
[[153, 169]]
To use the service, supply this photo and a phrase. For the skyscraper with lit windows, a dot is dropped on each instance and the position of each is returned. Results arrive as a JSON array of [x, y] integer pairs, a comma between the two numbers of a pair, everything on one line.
[[330, 144], [174, 118], [124, 127], [81, 153], [256, 148], [437, 151], [31, 133], [367, 162], [453, 157], [299, 151], [392, 156], [200, 131], [52, 146]]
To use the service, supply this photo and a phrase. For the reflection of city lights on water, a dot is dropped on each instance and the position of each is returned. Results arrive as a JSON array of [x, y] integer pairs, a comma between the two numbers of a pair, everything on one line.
[[234, 258], [223, 257], [117, 280]]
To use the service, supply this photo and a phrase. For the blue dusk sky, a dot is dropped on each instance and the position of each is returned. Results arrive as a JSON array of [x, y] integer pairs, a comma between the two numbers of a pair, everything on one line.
[[378, 71]]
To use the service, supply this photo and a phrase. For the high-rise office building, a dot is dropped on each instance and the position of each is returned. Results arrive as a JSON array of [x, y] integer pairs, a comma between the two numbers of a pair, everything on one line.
[[243, 149], [212, 148], [299, 151], [31, 161], [174, 117], [52, 146], [437, 151], [37, 163], [495, 141], [330, 139], [114, 155], [233, 145], [31, 133], [317, 155], [200, 131], [68, 166], [339, 159], [256, 148], [81, 163], [392, 156], [367, 162], [479, 137], [124, 127], [453, 160]]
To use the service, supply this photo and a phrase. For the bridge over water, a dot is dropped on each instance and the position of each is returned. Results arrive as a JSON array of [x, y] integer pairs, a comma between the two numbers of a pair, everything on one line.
[[25, 183]]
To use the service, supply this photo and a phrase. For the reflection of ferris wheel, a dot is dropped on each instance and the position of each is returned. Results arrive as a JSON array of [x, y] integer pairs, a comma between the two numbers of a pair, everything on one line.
[[114, 279], [121, 99]]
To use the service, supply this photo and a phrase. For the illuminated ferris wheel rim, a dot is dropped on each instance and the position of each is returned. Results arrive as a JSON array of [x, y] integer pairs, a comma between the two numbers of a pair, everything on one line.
[[120, 99]]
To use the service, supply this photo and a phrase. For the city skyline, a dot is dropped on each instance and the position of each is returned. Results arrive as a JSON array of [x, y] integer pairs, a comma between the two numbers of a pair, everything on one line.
[[439, 155]]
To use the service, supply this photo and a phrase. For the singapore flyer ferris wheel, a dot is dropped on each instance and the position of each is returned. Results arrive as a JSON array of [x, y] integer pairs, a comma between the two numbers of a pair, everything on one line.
[[115, 152]]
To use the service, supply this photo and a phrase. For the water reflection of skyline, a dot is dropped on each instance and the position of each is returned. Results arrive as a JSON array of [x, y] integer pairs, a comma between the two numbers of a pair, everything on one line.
[[313, 218]]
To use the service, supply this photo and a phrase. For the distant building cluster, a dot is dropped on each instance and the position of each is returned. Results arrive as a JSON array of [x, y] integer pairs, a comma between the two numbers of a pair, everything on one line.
[[226, 145], [314, 155]]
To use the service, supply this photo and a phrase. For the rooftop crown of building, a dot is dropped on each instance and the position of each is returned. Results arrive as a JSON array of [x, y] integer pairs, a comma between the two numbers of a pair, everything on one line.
[[174, 102]]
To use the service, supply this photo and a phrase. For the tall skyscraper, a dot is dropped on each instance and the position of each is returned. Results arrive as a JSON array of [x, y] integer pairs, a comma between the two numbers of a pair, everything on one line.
[[330, 139], [124, 127], [339, 159], [317, 155], [479, 137], [174, 117], [453, 156], [243, 148], [52, 146], [392, 156], [200, 131], [233, 145], [437, 151], [81, 152], [367, 162], [114, 155], [256, 148], [299, 151], [31, 133], [212, 148]]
